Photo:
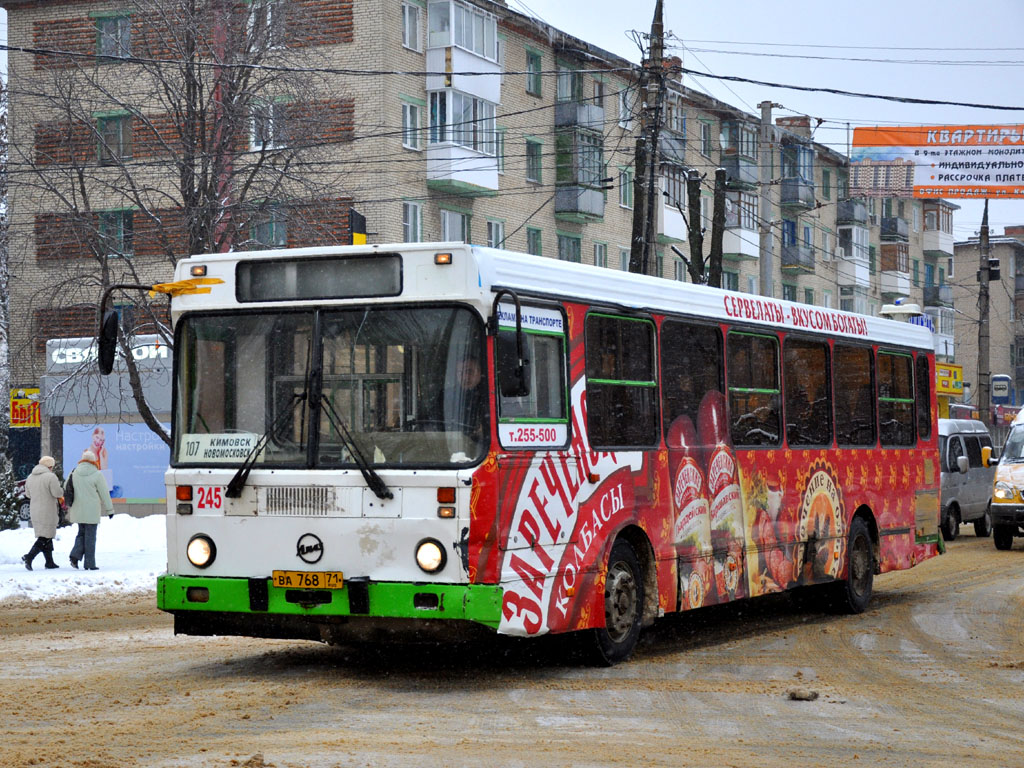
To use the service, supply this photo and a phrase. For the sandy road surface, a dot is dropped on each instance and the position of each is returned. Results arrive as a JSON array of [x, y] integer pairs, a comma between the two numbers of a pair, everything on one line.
[[931, 675]]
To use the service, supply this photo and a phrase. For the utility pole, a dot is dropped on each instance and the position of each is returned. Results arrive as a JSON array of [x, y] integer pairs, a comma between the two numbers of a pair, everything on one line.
[[695, 232], [717, 231], [646, 156], [767, 267], [984, 395]]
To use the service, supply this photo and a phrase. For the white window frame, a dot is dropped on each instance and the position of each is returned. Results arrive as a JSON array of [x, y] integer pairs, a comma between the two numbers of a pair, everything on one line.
[[412, 35], [626, 188], [462, 119], [114, 36], [705, 138], [412, 222], [274, 122], [626, 101], [495, 233], [454, 226], [412, 125], [464, 26], [624, 254], [272, 18]]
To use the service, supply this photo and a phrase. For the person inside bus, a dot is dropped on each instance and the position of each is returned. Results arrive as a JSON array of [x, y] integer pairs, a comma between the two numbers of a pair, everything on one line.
[[471, 398]]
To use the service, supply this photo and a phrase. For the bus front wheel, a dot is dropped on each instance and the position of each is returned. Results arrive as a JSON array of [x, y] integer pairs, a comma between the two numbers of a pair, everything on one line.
[[1003, 536], [623, 606]]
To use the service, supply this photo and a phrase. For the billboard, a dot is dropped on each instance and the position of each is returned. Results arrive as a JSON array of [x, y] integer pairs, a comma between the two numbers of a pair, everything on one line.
[[952, 161], [132, 459]]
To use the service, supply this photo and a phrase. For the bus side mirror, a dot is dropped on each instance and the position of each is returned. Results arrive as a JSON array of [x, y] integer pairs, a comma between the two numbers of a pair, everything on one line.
[[987, 459], [512, 378], [962, 464], [107, 342]]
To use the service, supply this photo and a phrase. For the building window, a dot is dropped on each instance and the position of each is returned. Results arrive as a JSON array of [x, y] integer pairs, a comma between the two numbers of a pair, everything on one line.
[[627, 99], [808, 295], [411, 26], [751, 284], [826, 251], [705, 139], [496, 234], [674, 179], [412, 222], [499, 148], [117, 233], [788, 292], [917, 219], [730, 280], [533, 241], [115, 138], [114, 36], [600, 255], [533, 160], [569, 248], [599, 94], [454, 226], [578, 157], [808, 236], [826, 184], [826, 299], [679, 270], [462, 25], [569, 85], [412, 126], [624, 259], [626, 188], [915, 267], [266, 24], [788, 232], [270, 229], [269, 128], [533, 70], [461, 119]]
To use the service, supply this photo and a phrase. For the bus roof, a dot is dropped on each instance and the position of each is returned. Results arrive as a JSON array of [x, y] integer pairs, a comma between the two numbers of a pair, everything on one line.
[[490, 269]]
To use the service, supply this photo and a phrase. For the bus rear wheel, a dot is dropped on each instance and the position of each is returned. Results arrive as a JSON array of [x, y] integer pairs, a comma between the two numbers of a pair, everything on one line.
[[623, 606], [852, 594]]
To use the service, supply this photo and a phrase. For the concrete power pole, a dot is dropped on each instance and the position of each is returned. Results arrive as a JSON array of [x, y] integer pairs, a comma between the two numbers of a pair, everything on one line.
[[767, 266], [984, 394], [645, 160]]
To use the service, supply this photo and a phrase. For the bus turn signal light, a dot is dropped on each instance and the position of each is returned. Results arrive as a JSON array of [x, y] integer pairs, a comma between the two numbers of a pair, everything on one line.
[[199, 270], [183, 493], [446, 512], [442, 258], [445, 495]]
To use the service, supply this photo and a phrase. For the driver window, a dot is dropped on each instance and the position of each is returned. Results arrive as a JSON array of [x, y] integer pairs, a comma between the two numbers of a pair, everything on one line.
[[956, 450]]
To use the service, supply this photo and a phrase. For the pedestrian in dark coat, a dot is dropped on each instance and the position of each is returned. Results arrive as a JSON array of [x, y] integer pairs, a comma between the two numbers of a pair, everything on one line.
[[43, 490], [92, 499]]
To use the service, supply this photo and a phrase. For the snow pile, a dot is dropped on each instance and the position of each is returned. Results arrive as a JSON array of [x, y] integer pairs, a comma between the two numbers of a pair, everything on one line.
[[130, 553]]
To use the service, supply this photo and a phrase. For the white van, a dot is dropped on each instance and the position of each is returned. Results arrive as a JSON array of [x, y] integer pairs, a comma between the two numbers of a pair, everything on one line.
[[966, 476]]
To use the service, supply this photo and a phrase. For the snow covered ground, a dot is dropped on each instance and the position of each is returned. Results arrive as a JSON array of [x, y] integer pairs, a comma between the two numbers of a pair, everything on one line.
[[130, 553]]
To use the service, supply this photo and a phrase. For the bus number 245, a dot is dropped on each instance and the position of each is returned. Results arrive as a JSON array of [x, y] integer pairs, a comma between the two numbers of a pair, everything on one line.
[[209, 497]]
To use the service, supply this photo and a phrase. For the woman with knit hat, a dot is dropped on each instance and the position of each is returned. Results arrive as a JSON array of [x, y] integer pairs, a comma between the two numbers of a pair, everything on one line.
[[92, 499], [43, 490]]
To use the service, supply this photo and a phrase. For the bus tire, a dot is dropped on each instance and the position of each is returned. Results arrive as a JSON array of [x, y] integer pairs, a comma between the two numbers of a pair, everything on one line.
[[1002, 535], [623, 606], [983, 525], [852, 594]]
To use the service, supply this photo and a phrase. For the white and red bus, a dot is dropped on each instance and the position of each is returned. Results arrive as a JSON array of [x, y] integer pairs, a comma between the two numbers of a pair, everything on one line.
[[440, 436]]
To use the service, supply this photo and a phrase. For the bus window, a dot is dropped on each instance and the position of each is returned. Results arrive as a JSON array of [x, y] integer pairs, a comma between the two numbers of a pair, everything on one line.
[[924, 397], [754, 398], [808, 397], [854, 394], [896, 399], [622, 391], [691, 366], [541, 417]]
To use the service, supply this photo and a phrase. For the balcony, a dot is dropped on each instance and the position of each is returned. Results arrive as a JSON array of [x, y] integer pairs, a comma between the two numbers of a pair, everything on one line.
[[798, 257], [938, 296], [447, 67], [671, 224], [578, 203], [853, 272], [458, 170], [895, 228], [742, 172], [741, 243], [797, 193], [852, 211], [937, 243], [894, 284], [575, 114]]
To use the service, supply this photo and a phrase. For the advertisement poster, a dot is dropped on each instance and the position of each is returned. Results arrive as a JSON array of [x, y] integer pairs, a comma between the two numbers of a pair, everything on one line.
[[949, 161], [132, 459]]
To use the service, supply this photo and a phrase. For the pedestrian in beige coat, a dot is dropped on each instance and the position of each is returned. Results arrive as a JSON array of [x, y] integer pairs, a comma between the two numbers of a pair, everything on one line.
[[43, 490]]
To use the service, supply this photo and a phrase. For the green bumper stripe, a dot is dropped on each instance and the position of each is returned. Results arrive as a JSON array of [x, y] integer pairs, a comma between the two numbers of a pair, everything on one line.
[[480, 603]]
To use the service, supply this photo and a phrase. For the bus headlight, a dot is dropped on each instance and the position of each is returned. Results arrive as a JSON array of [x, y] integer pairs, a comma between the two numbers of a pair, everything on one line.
[[430, 555], [1003, 491], [201, 551]]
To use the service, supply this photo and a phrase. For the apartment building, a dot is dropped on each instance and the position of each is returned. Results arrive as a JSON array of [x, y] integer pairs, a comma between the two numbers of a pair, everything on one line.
[[435, 120], [1006, 310]]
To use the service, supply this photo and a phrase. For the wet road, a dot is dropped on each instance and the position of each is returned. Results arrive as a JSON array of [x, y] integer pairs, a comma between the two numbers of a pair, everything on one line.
[[931, 675]]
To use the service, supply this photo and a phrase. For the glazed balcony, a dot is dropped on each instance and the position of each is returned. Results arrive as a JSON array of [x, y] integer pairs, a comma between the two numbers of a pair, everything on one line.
[[895, 228], [938, 296], [797, 193], [798, 257], [852, 211]]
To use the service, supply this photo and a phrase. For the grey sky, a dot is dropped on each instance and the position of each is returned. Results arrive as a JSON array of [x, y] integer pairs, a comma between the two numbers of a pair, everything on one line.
[[892, 28]]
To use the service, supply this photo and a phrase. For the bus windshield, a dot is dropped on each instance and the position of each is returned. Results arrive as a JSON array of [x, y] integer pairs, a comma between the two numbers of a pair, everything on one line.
[[389, 387], [1013, 451]]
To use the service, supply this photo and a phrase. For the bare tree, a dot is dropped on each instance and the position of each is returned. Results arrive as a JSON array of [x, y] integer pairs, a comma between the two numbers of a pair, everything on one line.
[[5, 316], [191, 127]]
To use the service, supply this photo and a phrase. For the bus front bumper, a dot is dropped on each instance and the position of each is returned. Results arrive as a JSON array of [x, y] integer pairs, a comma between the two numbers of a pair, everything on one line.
[[1007, 514], [359, 610]]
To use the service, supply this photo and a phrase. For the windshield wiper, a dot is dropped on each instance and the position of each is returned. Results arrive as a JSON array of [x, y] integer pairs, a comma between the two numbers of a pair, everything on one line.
[[373, 480], [237, 483]]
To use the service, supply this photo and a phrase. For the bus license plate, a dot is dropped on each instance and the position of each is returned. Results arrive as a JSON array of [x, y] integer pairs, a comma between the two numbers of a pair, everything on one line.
[[308, 579]]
